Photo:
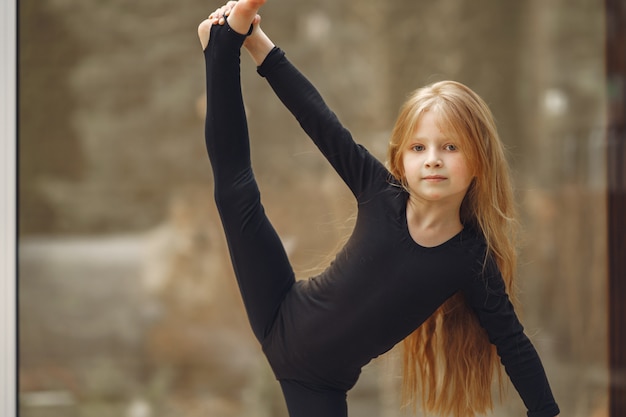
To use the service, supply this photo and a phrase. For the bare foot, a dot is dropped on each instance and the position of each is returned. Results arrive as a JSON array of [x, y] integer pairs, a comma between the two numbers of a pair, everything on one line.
[[204, 30], [244, 14]]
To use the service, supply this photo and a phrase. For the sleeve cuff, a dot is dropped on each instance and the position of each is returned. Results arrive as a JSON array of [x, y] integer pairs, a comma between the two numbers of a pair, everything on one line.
[[551, 412], [270, 62]]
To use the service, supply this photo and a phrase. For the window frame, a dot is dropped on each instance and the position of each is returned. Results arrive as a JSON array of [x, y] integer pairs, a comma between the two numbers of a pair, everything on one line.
[[8, 204]]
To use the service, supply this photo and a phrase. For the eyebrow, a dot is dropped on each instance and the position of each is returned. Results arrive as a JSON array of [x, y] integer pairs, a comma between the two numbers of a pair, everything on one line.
[[437, 139]]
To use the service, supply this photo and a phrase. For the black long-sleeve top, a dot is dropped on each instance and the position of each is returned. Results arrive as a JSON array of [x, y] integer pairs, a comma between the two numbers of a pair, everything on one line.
[[383, 285]]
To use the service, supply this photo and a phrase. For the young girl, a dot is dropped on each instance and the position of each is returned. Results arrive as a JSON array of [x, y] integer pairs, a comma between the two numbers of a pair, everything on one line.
[[431, 248]]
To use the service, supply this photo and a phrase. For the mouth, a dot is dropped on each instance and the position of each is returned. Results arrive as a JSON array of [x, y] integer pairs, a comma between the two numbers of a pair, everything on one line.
[[434, 178]]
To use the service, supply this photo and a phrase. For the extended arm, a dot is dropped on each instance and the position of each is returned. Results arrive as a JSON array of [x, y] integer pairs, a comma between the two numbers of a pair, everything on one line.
[[496, 314]]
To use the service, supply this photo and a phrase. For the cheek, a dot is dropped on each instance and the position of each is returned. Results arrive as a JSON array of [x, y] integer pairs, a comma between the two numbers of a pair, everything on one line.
[[403, 162], [463, 170], [470, 166]]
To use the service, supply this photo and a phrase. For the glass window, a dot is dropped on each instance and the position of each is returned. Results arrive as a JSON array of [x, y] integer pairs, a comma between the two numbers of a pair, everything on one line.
[[127, 301]]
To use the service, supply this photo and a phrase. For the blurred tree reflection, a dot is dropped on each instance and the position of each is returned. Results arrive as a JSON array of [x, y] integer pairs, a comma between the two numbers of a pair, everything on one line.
[[49, 144]]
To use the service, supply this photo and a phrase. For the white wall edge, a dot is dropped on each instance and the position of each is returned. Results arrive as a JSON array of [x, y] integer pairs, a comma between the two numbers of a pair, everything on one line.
[[8, 215]]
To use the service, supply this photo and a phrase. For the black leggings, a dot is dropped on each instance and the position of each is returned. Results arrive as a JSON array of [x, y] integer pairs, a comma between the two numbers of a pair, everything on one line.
[[264, 273]]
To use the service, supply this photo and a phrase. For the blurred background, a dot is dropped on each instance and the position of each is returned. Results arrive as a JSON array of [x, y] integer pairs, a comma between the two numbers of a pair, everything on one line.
[[127, 302]]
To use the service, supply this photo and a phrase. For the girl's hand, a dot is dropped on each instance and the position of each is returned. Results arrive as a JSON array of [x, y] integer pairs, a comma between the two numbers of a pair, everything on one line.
[[244, 14], [258, 44], [241, 14], [218, 17], [221, 13]]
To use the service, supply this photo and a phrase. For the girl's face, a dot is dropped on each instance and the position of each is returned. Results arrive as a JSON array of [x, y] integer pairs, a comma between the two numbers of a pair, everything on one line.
[[435, 167]]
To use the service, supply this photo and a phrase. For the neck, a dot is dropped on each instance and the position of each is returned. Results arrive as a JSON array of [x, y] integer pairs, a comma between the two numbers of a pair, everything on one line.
[[432, 223]]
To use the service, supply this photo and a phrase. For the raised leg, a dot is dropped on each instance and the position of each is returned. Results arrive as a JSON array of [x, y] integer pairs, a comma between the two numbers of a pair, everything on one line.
[[263, 271]]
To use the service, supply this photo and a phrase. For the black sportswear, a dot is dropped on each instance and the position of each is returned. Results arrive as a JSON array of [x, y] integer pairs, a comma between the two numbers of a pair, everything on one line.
[[318, 333]]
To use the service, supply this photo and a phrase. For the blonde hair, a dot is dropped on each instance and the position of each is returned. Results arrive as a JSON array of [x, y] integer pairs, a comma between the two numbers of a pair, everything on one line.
[[449, 358]]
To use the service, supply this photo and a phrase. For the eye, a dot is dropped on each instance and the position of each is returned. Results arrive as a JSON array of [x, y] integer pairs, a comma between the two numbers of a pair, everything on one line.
[[451, 147], [417, 148]]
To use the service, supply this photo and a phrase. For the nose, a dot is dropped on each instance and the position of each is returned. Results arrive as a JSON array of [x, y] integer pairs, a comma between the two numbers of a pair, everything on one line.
[[433, 160]]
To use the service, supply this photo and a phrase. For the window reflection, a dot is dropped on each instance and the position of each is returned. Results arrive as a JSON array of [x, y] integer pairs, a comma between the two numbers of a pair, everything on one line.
[[127, 303]]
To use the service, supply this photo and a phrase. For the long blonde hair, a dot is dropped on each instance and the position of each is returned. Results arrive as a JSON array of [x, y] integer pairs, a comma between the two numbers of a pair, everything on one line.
[[449, 359]]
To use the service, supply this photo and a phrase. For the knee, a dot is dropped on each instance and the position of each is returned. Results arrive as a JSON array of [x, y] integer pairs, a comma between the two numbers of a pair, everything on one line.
[[238, 196]]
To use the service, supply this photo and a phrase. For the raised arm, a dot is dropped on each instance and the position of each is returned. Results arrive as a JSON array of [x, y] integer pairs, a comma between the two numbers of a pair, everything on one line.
[[356, 166], [353, 163]]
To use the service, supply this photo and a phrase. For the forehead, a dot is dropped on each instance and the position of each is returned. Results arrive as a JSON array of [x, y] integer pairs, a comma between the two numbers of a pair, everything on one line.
[[434, 123]]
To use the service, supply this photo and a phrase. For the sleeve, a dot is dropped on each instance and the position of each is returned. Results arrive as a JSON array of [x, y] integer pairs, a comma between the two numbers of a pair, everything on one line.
[[487, 296], [354, 164]]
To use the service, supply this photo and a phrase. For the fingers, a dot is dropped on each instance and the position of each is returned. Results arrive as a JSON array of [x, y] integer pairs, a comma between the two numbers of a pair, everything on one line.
[[221, 13], [218, 17], [243, 14], [228, 7]]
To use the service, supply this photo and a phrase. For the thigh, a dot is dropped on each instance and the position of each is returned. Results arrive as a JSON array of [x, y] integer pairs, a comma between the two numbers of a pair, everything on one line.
[[307, 401], [264, 273]]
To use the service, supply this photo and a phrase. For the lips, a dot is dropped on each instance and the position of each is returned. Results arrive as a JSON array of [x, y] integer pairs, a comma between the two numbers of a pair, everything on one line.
[[435, 177]]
